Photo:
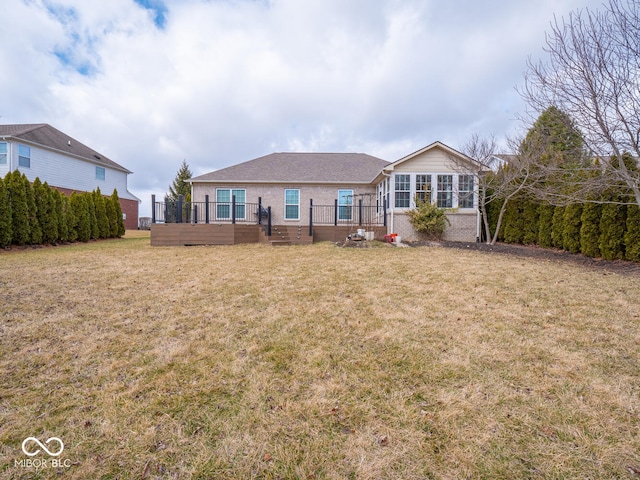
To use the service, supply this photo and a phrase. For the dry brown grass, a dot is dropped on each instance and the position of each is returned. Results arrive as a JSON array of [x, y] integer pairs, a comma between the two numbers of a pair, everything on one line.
[[317, 362]]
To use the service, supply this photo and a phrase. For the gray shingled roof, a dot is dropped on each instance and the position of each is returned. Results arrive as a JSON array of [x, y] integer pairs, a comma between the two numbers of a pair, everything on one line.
[[300, 168], [47, 136]]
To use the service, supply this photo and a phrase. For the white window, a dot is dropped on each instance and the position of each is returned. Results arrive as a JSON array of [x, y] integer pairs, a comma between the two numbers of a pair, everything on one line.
[[100, 173], [465, 191], [345, 204], [403, 191], [292, 204], [3, 153], [445, 191], [224, 198], [24, 156], [423, 188]]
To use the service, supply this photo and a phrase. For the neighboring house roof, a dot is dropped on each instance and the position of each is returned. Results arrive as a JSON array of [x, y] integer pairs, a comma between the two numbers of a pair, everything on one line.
[[45, 135], [300, 168]]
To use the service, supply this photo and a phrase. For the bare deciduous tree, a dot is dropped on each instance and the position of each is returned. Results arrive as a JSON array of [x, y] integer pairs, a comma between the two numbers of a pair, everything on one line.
[[593, 74]]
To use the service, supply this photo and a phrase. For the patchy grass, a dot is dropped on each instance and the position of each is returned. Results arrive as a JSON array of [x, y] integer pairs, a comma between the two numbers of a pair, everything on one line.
[[316, 362]]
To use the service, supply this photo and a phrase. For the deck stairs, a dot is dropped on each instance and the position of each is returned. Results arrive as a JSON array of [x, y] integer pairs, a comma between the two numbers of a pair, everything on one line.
[[286, 235]]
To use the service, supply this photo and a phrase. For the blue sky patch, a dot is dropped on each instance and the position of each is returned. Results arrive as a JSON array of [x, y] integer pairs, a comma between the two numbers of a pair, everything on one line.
[[158, 8]]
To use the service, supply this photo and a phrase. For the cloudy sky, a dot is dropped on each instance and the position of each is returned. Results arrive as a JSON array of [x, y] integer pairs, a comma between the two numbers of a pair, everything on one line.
[[150, 83]]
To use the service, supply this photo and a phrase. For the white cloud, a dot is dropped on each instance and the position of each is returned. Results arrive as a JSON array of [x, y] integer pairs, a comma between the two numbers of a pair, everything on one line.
[[225, 81]]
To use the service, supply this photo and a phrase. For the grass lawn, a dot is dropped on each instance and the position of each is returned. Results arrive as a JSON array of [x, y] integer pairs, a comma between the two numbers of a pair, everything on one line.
[[316, 362]]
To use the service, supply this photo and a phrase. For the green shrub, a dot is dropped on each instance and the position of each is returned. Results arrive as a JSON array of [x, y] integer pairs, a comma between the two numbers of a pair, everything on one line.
[[632, 235], [612, 228], [6, 232], [545, 224], [571, 224], [590, 229], [101, 214], [19, 209], [530, 223], [120, 221], [557, 227], [35, 230], [513, 221], [426, 218]]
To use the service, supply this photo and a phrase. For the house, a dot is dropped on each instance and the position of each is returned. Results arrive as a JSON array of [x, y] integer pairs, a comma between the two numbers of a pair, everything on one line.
[[41, 151], [443, 176], [322, 196]]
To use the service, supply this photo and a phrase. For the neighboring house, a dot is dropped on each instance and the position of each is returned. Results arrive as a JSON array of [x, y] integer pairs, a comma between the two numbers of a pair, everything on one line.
[[326, 196], [39, 150]]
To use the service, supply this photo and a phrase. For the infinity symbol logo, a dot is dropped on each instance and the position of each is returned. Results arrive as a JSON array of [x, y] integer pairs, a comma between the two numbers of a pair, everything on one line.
[[39, 443]]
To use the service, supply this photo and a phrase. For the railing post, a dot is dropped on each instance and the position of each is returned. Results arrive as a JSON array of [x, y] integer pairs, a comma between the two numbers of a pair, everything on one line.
[[206, 209], [269, 221], [166, 210], [311, 217], [233, 209], [259, 210], [384, 210], [153, 209], [195, 213], [360, 211], [335, 212], [179, 209]]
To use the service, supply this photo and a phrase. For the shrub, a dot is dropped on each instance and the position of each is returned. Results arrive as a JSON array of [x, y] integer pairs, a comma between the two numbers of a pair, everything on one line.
[[530, 222], [557, 227], [545, 224], [35, 229], [590, 229], [612, 227], [426, 218], [6, 233], [571, 224], [632, 235], [19, 209], [116, 204], [513, 222]]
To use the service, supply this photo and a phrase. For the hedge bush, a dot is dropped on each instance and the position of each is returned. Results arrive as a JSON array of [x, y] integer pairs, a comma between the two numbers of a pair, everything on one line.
[[38, 214]]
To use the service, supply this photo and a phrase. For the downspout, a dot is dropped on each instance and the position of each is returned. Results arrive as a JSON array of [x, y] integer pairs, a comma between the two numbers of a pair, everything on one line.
[[390, 229]]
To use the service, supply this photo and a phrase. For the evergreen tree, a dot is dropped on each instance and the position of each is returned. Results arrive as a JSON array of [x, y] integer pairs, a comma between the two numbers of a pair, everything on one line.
[[590, 229], [35, 229], [101, 214], [612, 227], [70, 217], [93, 220], [545, 224], [571, 224], [119, 219], [50, 233], [513, 222], [81, 212], [530, 222], [19, 208], [180, 185], [557, 227], [6, 233], [58, 201], [632, 235], [112, 216]]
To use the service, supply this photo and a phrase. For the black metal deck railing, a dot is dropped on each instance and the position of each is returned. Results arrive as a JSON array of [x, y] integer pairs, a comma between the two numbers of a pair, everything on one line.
[[180, 211]]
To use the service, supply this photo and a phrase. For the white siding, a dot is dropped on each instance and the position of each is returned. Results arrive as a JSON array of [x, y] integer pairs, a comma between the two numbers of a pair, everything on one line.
[[68, 172]]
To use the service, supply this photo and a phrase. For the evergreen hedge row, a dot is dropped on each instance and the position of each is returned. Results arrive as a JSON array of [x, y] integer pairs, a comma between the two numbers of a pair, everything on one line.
[[35, 214], [601, 230]]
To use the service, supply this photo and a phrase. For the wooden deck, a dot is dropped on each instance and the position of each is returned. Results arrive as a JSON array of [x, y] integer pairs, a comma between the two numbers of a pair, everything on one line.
[[179, 234]]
